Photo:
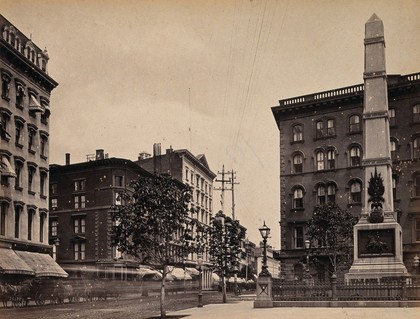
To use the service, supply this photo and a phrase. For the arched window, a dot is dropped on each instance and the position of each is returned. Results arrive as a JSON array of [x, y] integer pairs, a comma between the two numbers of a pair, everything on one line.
[[18, 171], [298, 197], [297, 133], [355, 156], [298, 163], [416, 147], [355, 192], [331, 159], [416, 113], [354, 124], [319, 156]]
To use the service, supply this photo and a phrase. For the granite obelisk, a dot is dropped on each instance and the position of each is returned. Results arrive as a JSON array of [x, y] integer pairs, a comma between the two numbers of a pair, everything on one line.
[[377, 235]]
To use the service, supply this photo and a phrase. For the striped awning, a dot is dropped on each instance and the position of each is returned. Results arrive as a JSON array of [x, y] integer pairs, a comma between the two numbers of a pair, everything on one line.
[[192, 271], [11, 263], [148, 273], [179, 273], [42, 264]]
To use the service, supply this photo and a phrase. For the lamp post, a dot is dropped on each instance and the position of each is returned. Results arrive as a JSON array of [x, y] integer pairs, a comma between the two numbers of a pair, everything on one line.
[[264, 231], [200, 281], [307, 275]]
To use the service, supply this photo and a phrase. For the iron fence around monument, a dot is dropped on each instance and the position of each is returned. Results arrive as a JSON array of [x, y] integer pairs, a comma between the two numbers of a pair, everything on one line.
[[387, 289]]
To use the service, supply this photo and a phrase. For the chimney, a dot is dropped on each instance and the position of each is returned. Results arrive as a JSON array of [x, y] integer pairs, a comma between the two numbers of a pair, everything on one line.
[[67, 158], [169, 150], [143, 155], [157, 161], [100, 154]]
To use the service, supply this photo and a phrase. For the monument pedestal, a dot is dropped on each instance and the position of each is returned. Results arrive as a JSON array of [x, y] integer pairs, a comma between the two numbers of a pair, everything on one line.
[[264, 292], [377, 251]]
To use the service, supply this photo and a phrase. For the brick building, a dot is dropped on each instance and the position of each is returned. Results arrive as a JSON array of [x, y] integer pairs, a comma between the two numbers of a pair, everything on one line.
[[81, 196], [24, 117], [321, 151], [193, 171]]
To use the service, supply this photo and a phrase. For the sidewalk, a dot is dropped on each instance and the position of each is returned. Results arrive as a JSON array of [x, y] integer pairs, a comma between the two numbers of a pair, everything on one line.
[[245, 310]]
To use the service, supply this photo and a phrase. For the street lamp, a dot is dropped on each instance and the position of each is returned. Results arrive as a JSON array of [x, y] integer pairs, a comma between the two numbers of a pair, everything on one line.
[[200, 280], [264, 231], [307, 274]]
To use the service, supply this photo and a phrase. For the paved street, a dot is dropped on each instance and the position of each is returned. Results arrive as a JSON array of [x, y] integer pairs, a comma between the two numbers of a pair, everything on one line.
[[245, 310]]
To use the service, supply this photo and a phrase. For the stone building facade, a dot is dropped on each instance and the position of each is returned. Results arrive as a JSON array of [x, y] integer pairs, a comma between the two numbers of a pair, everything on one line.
[[321, 151], [24, 117]]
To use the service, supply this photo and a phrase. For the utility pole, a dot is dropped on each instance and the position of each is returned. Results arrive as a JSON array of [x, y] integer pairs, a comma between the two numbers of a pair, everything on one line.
[[233, 183], [223, 188]]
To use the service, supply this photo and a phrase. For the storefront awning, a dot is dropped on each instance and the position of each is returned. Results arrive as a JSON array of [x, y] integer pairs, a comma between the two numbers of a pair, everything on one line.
[[179, 273], [42, 264], [215, 277], [10, 263], [148, 273], [192, 271]]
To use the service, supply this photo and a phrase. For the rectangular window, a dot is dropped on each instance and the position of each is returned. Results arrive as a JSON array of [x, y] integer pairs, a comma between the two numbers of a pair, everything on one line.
[[30, 224], [79, 185], [417, 186], [41, 227], [417, 230], [392, 120], [3, 217], [18, 171], [187, 173], [18, 210], [79, 201], [31, 173], [31, 139], [54, 189], [416, 113], [298, 237], [53, 228], [319, 129], [192, 178], [43, 183], [54, 203], [118, 181], [330, 128], [79, 251], [79, 224]]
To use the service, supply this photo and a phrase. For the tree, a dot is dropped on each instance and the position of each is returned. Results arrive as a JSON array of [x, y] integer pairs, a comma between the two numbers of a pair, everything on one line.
[[225, 236], [331, 232], [153, 225]]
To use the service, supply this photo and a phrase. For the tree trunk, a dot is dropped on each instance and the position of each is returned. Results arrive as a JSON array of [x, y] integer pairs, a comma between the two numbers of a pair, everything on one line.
[[224, 289], [162, 294]]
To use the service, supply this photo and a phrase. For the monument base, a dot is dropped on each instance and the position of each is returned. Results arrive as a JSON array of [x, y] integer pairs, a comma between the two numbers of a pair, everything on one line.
[[377, 251]]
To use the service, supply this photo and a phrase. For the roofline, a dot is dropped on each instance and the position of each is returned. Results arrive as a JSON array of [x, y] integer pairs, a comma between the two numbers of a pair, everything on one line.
[[342, 94]]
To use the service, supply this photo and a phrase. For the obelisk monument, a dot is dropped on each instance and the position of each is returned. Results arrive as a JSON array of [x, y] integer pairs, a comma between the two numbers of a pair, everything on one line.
[[377, 235]]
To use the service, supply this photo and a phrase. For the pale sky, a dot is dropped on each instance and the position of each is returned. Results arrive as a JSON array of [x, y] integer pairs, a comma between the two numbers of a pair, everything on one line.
[[202, 75]]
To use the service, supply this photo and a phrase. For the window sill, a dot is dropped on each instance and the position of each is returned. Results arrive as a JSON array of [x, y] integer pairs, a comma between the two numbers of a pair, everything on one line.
[[20, 107], [5, 138], [43, 157], [43, 196], [325, 137], [31, 151], [299, 209], [45, 122], [19, 145], [18, 188], [354, 204], [6, 98], [297, 142], [354, 133], [31, 193]]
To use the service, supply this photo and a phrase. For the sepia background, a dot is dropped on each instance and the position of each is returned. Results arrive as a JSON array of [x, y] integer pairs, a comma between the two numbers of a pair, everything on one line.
[[202, 75]]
